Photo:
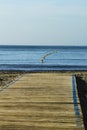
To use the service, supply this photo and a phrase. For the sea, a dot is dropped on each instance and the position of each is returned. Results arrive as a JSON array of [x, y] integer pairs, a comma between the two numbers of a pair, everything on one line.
[[43, 58]]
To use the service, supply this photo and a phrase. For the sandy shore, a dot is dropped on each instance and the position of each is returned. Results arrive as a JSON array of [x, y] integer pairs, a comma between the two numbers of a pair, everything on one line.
[[8, 76]]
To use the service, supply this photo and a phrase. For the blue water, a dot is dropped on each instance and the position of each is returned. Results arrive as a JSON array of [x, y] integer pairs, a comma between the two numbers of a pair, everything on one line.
[[29, 58]]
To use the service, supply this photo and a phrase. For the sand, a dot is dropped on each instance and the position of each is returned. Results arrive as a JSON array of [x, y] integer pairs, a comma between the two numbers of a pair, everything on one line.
[[7, 77]]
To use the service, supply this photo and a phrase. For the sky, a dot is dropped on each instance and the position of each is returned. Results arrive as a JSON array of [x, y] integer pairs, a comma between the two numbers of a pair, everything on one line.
[[43, 22]]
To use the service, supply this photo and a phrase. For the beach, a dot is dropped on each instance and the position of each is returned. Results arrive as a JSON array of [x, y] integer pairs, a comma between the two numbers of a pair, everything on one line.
[[34, 97], [7, 77], [43, 65]]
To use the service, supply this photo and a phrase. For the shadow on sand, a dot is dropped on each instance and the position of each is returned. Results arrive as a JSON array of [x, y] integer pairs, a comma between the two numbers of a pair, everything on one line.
[[82, 93]]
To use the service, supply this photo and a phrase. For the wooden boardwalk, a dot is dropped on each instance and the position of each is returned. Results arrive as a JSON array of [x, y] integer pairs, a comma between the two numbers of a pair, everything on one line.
[[40, 101]]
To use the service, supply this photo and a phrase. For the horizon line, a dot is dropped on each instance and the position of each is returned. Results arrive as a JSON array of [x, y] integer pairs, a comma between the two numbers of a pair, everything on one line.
[[38, 45]]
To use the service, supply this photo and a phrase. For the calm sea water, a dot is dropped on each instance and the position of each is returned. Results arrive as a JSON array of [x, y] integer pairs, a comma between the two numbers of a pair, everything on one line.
[[53, 58]]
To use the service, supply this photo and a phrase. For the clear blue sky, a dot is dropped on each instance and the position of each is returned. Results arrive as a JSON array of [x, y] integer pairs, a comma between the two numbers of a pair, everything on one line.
[[43, 22]]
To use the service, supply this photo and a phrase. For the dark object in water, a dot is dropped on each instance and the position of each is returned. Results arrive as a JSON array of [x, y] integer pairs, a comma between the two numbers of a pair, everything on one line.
[[48, 54]]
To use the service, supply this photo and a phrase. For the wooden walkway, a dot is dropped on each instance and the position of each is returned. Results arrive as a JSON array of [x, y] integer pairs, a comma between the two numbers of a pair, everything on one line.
[[40, 101]]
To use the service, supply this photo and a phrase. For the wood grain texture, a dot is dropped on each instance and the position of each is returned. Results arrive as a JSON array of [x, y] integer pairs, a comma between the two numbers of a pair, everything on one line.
[[39, 101]]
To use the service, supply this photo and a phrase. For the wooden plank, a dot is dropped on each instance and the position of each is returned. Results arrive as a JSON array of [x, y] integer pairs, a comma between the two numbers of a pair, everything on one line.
[[39, 101]]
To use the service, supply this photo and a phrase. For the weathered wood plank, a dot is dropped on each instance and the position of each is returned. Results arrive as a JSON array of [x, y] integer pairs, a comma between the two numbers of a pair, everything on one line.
[[39, 101]]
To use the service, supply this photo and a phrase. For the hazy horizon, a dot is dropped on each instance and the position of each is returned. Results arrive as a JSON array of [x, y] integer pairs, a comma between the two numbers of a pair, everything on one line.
[[40, 45]]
